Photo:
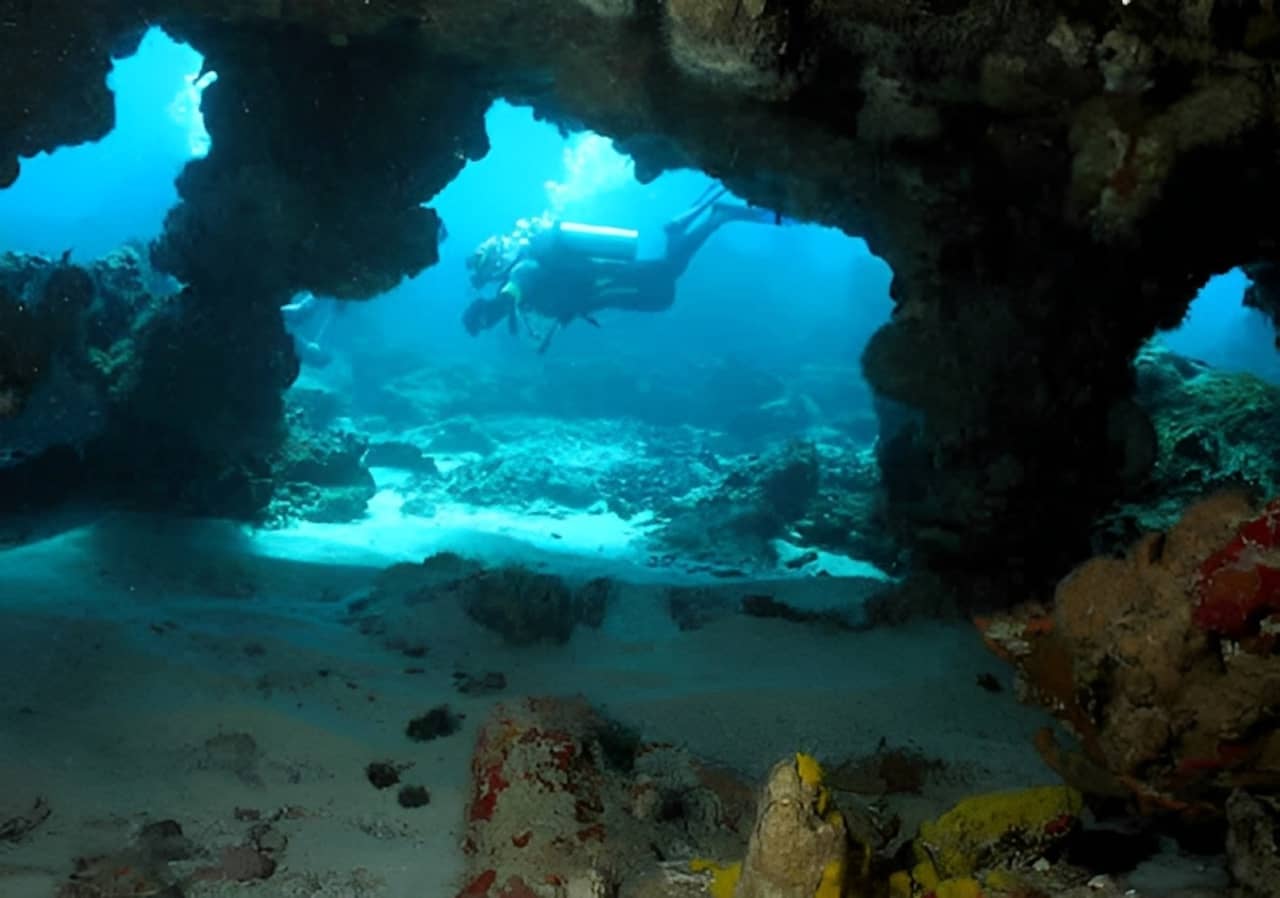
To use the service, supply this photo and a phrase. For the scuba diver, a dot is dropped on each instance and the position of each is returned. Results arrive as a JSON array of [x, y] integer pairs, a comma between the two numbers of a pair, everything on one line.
[[563, 271]]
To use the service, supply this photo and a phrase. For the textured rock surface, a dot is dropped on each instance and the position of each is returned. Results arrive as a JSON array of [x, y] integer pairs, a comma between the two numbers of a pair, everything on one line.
[[796, 845], [1214, 430], [604, 804], [1048, 181], [1162, 663], [1252, 842]]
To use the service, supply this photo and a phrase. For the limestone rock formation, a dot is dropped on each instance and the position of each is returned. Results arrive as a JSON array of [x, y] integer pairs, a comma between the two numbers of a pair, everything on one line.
[[797, 843], [1049, 182]]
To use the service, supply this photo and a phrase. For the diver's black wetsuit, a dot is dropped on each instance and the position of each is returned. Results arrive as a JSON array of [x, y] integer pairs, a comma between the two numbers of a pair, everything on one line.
[[562, 286]]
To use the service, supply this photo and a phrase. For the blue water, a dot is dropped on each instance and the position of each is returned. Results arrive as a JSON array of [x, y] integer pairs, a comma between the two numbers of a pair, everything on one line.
[[766, 295], [785, 294], [92, 198], [1220, 330]]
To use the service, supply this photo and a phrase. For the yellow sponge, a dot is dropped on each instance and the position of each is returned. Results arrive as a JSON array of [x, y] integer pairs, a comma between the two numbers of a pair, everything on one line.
[[811, 774], [809, 769], [962, 887], [966, 837], [724, 877], [925, 875], [900, 884], [832, 884]]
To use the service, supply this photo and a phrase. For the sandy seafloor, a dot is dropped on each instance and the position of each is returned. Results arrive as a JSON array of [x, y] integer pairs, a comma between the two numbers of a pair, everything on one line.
[[128, 642]]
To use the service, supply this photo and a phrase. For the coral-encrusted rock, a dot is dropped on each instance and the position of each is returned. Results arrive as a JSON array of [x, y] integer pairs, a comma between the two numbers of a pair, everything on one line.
[[1215, 429], [1253, 843], [319, 476], [999, 829], [751, 506], [799, 846], [566, 802], [745, 44], [1163, 662]]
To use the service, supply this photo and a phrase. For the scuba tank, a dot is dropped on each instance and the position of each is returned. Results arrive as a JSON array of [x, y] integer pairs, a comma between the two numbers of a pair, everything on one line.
[[573, 239]]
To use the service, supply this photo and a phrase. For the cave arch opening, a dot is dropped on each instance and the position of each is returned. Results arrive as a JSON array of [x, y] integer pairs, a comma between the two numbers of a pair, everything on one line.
[[630, 423], [91, 199], [735, 427], [1209, 391], [1226, 328]]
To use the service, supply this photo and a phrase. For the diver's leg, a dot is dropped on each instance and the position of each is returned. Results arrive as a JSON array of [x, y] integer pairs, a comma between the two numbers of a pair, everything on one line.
[[681, 247], [681, 223], [648, 287], [736, 212]]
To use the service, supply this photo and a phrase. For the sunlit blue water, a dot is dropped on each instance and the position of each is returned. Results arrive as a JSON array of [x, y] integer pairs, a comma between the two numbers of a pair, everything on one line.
[[768, 295], [1220, 330], [92, 198]]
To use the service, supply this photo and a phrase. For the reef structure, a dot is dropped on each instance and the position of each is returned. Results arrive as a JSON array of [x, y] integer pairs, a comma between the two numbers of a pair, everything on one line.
[[1163, 664]]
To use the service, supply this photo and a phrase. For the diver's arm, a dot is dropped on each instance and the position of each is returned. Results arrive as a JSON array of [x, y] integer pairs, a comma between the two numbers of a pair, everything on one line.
[[524, 282]]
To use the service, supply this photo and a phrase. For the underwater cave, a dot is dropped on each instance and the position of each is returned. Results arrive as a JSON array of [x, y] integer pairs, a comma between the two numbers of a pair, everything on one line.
[[639, 450]]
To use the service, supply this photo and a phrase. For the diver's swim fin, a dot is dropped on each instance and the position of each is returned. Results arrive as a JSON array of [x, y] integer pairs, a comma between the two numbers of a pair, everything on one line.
[[756, 214]]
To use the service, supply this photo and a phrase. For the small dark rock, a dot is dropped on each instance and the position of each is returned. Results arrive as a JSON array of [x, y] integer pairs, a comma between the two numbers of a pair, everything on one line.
[[436, 723], [382, 775], [769, 607], [801, 560], [163, 841], [693, 607], [398, 454], [523, 606], [247, 814], [414, 797], [485, 684], [592, 602], [16, 828], [989, 682]]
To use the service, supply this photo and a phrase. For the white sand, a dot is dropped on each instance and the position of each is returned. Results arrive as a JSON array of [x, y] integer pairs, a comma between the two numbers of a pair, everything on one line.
[[128, 642]]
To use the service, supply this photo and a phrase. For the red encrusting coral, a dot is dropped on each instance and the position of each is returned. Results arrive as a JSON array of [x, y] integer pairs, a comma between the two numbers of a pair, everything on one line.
[[480, 885], [1239, 585]]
